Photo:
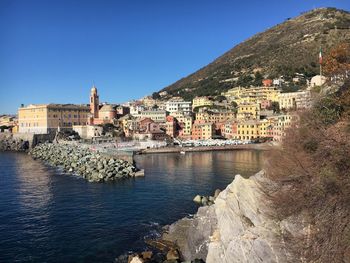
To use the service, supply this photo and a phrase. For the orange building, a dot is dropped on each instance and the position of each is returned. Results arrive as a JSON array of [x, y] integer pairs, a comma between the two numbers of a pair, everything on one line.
[[203, 131], [267, 82]]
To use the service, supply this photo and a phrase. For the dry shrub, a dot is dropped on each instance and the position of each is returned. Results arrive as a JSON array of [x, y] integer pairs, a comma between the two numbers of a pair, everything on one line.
[[312, 169]]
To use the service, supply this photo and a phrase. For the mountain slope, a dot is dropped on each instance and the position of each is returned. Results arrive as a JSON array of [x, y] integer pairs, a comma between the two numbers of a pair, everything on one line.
[[285, 49]]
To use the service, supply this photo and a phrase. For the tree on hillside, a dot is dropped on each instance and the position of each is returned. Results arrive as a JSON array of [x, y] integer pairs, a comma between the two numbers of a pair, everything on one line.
[[275, 107], [220, 98], [234, 104], [337, 63], [155, 96], [258, 78]]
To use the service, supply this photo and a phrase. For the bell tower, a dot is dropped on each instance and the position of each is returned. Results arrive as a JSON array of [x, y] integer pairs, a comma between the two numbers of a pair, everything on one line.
[[94, 102]]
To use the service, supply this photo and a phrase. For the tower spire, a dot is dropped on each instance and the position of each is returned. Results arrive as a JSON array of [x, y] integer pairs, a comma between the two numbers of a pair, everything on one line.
[[320, 61]]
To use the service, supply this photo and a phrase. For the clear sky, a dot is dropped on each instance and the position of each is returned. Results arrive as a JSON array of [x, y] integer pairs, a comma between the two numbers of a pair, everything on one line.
[[52, 51]]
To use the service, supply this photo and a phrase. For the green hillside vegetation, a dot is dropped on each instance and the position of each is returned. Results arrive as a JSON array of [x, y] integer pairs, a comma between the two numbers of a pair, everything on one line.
[[283, 50]]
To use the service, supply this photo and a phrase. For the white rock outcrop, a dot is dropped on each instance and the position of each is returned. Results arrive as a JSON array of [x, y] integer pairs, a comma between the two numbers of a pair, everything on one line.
[[239, 227]]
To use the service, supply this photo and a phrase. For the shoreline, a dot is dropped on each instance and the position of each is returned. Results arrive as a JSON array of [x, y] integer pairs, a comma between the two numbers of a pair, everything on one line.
[[256, 146]]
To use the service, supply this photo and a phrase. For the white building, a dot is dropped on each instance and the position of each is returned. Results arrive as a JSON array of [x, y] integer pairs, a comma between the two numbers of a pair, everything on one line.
[[174, 106], [296, 100], [155, 115], [317, 80], [136, 109]]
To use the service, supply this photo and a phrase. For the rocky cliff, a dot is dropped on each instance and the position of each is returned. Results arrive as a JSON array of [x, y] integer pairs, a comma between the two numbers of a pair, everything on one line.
[[239, 227]]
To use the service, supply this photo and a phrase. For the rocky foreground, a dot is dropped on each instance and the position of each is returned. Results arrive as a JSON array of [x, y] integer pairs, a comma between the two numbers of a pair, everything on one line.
[[239, 227], [83, 162]]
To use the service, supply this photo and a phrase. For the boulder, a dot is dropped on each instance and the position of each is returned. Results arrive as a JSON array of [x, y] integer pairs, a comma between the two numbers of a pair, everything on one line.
[[197, 199], [147, 254], [140, 173], [173, 254], [136, 259]]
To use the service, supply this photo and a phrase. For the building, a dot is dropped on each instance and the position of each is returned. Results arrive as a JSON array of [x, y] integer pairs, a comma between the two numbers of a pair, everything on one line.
[[100, 114], [9, 121], [129, 124], [201, 102], [248, 130], [295, 100], [317, 80], [148, 101], [88, 131], [122, 111], [149, 129], [94, 102], [267, 82], [248, 111], [156, 115], [135, 109], [46, 118], [177, 105], [185, 122], [203, 131], [214, 116], [252, 95], [230, 129], [107, 114], [278, 125], [171, 127]]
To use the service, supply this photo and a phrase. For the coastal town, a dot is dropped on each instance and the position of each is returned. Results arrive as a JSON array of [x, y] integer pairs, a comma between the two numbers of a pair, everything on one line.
[[175, 132], [240, 115]]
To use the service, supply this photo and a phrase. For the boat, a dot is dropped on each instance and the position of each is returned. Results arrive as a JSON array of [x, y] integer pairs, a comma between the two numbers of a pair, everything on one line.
[[183, 152]]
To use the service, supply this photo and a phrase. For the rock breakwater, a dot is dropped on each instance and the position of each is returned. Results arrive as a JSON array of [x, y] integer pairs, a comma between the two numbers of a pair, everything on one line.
[[90, 165]]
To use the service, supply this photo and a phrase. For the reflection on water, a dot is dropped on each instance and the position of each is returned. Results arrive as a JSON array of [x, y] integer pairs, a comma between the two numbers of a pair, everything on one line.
[[46, 216]]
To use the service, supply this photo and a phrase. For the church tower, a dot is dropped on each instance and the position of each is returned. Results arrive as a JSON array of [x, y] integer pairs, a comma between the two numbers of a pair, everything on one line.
[[94, 102]]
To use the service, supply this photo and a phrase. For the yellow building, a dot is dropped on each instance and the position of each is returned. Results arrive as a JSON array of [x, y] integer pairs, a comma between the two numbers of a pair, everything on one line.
[[46, 118], [248, 130], [252, 94], [263, 127], [186, 120], [201, 101], [214, 116], [234, 92], [248, 111]]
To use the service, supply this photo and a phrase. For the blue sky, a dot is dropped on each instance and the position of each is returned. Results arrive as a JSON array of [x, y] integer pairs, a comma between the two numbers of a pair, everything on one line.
[[53, 50]]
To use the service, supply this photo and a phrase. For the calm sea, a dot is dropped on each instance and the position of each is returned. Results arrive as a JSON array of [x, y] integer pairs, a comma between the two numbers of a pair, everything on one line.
[[48, 216]]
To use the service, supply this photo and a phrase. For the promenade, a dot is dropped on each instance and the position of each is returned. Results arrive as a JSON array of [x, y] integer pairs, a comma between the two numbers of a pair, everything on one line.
[[178, 149]]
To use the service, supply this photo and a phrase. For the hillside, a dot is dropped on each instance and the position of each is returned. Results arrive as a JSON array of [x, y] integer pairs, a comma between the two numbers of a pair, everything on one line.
[[285, 49]]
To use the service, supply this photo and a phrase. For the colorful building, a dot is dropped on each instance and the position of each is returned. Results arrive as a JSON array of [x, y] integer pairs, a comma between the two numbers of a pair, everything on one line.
[[230, 129], [203, 131]]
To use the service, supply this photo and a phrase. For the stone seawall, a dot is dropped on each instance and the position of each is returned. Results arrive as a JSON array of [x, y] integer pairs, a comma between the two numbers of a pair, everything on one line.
[[10, 143], [83, 162], [22, 141]]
